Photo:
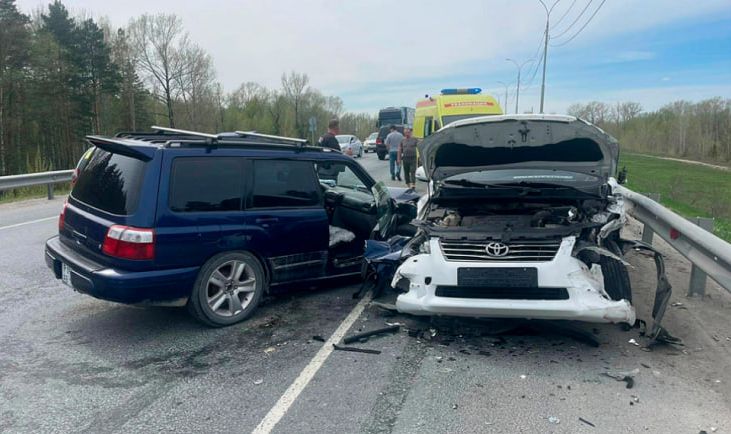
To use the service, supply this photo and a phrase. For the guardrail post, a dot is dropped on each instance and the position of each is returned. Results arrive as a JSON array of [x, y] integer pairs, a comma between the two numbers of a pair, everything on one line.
[[647, 232], [697, 284], [50, 191]]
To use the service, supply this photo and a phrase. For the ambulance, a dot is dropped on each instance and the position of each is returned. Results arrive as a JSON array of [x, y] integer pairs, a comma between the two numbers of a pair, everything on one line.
[[451, 105]]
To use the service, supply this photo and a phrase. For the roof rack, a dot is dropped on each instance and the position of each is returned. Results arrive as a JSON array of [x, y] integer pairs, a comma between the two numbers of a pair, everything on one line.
[[268, 136], [185, 132]]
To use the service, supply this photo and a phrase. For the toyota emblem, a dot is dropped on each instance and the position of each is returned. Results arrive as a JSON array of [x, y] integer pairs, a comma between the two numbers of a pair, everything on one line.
[[496, 249]]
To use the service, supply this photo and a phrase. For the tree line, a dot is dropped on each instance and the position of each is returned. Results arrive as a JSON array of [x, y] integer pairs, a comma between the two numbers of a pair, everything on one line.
[[700, 130], [63, 77]]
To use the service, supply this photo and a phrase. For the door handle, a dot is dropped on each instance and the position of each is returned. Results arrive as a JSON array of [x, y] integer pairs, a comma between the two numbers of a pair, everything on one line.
[[266, 220]]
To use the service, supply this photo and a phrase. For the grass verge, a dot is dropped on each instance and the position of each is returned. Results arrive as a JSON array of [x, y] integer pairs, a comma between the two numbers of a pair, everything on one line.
[[690, 190]]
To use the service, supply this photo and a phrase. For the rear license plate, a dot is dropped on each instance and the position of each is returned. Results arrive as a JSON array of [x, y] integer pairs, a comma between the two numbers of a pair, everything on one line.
[[65, 274], [520, 277]]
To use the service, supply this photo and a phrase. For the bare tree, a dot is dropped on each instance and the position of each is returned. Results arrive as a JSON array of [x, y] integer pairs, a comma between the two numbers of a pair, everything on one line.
[[195, 84], [294, 87], [158, 41]]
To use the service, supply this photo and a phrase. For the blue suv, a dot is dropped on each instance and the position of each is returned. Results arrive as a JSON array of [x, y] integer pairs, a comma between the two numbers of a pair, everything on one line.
[[213, 222]]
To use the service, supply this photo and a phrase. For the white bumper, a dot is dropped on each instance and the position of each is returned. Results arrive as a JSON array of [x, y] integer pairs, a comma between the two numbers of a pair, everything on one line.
[[587, 299]]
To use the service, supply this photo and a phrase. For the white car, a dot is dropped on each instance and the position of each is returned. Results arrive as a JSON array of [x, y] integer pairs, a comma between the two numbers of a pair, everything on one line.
[[350, 145], [521, 222], [369, 145]]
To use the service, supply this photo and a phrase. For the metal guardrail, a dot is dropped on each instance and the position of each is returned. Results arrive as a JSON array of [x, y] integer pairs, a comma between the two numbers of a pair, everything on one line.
[[708, 253], [31, 179]]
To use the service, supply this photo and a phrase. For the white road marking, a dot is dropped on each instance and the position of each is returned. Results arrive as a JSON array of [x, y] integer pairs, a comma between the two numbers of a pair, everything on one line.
[[285, 402], [28, 223]]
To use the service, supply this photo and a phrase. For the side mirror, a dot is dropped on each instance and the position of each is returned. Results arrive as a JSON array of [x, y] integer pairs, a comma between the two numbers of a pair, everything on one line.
[[622, 176]]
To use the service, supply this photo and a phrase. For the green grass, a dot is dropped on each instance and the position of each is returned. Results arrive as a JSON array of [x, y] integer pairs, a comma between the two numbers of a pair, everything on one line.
[[34, 192], [688, 189]]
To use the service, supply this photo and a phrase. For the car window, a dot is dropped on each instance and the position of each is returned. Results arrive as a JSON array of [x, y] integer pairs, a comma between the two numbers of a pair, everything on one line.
[[339, 175], [109, 182], [282, 183], [206, 184], [343, 139]]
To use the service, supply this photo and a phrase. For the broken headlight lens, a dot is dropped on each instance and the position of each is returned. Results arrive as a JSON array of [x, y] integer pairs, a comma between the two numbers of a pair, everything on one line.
[[416, 246]]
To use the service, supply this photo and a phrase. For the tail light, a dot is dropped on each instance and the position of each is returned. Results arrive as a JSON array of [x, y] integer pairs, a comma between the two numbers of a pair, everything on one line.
[[379, 141], [129, 243], [62, 217], [74, 176]]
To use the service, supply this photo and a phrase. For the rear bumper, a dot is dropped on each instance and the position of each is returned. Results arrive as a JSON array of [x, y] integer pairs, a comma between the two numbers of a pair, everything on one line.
[[158, 287], [587, 300]]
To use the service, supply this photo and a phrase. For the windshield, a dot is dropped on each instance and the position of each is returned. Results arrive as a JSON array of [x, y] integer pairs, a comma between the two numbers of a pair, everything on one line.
[[373, 136], [525, 176], [343, 139]]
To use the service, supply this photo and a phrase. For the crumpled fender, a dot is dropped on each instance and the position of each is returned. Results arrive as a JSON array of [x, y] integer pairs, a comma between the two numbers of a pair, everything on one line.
[[662, 293]]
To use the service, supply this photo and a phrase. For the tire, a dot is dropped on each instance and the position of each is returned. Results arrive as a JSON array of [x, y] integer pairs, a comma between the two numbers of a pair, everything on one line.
[[616, 279], [214, 295]]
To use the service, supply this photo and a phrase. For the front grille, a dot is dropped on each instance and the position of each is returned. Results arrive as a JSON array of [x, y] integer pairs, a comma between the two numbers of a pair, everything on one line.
[[502, 293], [523, 251]]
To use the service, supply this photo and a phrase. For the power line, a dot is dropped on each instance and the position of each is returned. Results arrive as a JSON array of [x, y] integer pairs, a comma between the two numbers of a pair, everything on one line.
[[565, 13], [581, 14], [582, 27]]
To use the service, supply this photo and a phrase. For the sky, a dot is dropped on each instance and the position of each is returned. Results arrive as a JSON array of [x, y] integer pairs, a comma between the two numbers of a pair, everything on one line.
[[375, 53]]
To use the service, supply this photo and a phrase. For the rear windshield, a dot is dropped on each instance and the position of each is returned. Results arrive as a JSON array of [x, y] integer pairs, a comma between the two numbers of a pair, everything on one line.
[[109, 182]]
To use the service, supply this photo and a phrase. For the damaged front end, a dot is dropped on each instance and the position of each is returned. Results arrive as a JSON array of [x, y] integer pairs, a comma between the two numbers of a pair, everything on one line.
[[519, 239]]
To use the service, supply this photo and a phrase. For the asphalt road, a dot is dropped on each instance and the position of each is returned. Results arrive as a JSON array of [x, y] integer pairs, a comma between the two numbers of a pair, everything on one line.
[[72, 363]]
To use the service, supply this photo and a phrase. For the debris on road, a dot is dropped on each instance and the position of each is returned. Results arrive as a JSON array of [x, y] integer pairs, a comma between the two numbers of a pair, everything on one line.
[[259, 381], [455, 406], [634, 342], [355, 349], [523, 376], [627, 377], [587, 422], [269, 350], [554, 419], [365, 335], [318, 338]]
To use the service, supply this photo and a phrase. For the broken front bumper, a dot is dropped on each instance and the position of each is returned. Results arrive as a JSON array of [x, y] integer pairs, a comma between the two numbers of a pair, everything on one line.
[[424, 274]]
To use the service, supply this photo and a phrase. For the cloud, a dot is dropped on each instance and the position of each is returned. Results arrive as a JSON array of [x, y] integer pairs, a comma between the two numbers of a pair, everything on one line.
[[380, 52]]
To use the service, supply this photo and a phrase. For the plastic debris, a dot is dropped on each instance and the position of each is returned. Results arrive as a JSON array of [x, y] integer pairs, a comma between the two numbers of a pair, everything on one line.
[[269, 350], [259, 381], [634, 342], [318, 338], [365, 335], [355, 349], [587, 422], [554, 419], [454, 406], [523, 377], [627, 377]]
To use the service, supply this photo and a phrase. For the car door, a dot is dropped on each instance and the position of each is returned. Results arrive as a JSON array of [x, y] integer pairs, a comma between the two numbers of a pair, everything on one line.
[[285, 211]]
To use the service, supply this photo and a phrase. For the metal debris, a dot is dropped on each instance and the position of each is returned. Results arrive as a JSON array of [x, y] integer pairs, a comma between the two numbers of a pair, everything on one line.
[[365, 335]]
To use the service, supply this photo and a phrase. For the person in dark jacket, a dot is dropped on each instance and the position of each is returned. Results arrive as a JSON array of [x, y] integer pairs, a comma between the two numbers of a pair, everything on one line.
[[328, 139], [407, 157]]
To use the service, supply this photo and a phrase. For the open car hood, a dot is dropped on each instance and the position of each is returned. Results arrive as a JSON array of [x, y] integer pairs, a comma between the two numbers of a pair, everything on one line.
[[519, 141]]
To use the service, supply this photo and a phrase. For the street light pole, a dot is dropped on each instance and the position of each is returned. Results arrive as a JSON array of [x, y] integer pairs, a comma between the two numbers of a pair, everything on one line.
[[545, 48], [517, 89], [505, 106]]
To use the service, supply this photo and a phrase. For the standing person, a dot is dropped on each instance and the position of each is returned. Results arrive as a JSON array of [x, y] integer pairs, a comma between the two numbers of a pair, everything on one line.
[[393, 141], [328, 139], [407, 158]]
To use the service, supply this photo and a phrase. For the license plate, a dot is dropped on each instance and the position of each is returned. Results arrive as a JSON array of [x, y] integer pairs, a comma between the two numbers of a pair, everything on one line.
[[520, 277], [66, 274]]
